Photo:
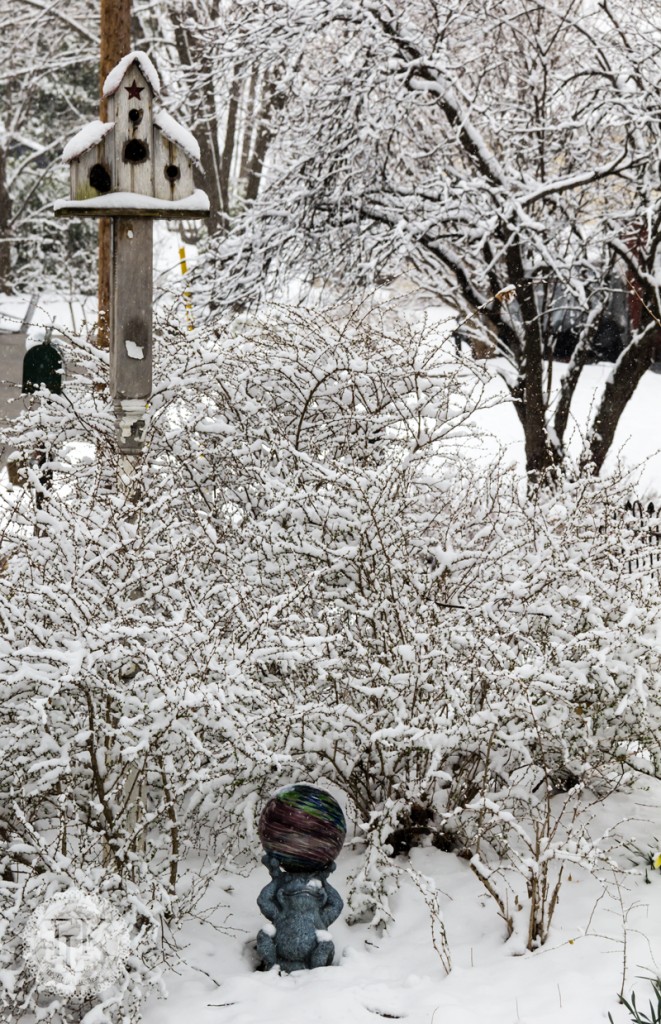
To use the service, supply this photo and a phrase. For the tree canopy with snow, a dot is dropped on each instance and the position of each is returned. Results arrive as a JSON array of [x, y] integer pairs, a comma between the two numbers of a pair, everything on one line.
[[472, 148]]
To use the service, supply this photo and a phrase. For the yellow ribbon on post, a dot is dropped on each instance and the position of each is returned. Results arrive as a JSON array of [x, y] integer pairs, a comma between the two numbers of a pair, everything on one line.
[[188, 305]]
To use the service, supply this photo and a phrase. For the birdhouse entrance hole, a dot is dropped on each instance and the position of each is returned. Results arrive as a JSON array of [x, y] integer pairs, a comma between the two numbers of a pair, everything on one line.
[[172, 172], [135, 116], [136, 151], [100, 178]]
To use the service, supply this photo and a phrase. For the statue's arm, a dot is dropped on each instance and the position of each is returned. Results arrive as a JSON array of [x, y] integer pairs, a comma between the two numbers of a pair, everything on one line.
[[332, 908], [266, 901], [271, 862]]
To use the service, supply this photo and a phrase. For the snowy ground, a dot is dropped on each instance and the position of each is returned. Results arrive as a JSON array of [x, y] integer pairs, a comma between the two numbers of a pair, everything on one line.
[[637, 444], [574, 979]]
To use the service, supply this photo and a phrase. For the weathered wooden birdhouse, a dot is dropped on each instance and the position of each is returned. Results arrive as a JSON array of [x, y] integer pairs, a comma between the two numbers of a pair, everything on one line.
[[138, 152]]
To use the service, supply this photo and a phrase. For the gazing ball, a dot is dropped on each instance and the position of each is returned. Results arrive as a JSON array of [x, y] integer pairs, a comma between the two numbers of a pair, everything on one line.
[[303, 827]]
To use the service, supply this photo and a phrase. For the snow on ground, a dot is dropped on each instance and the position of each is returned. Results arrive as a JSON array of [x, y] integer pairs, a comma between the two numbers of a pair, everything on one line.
[[74, 313], [573, 979], [66, 314], [637, 444]]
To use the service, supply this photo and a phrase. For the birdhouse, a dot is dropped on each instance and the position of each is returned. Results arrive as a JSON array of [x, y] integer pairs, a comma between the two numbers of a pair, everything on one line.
[[134, 167], [140, 161]]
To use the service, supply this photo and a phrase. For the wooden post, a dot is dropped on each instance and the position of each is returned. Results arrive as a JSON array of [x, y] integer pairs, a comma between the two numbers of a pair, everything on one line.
[[131, 326], [115, 42]]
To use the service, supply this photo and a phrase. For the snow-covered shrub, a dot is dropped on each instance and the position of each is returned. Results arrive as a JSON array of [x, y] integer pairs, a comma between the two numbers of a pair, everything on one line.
[[424, 636], [165, 653], [338, 455], [565, 653], [314, 578], [102, 659]]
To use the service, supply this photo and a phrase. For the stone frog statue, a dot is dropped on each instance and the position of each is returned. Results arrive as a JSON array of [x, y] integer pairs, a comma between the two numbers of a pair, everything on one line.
[[300, 906]]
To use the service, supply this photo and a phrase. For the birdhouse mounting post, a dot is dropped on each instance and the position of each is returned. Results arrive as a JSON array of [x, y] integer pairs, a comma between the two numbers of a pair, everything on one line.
[[131, 302], [133, 168]]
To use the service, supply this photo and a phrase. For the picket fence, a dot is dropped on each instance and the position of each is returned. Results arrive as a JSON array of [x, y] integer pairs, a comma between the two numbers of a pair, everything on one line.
[[646, 521]]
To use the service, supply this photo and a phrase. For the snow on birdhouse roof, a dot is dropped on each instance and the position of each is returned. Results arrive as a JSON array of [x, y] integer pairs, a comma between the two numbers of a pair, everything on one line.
[[114, 79], [90, 135], [176, 133]]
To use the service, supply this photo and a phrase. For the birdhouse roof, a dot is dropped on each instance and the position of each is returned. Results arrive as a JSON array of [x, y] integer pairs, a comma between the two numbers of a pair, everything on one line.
[[176, 133], [91, 135], [116, 76]]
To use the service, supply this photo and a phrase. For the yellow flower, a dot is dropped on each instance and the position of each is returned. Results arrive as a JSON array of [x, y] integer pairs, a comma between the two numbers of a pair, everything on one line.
[[657, 861]]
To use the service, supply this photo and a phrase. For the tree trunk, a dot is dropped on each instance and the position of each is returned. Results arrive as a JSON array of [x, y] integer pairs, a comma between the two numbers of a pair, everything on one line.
[[205, 118], [541, 452], [115, 44], [620, 386], [271, 101], [247, 127], [5, 226], [230, 143]]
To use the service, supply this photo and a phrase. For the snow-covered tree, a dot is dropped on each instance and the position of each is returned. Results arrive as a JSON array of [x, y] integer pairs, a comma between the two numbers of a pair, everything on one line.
[[468, 147], [471, 147], [48, 87]]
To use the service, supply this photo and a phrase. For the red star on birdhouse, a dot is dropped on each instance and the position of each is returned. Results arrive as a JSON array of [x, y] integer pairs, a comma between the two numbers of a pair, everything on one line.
[[134, 90]]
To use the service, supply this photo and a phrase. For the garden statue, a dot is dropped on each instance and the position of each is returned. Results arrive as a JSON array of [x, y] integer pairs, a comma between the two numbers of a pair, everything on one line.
[[302, 830]]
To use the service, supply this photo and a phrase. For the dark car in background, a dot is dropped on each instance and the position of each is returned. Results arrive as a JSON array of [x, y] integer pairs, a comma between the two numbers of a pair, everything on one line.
[[612, 332], [562, 321], [623, 313]]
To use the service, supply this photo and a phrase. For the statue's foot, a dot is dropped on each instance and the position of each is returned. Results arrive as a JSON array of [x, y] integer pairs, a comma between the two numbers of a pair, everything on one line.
[[266, 951]]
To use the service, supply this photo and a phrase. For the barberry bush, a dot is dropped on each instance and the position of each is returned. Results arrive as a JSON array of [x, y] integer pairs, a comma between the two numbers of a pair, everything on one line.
[[313, 573]]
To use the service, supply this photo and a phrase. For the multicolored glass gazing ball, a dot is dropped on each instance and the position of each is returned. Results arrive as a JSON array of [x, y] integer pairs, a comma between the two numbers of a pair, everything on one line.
[[303, 827]]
